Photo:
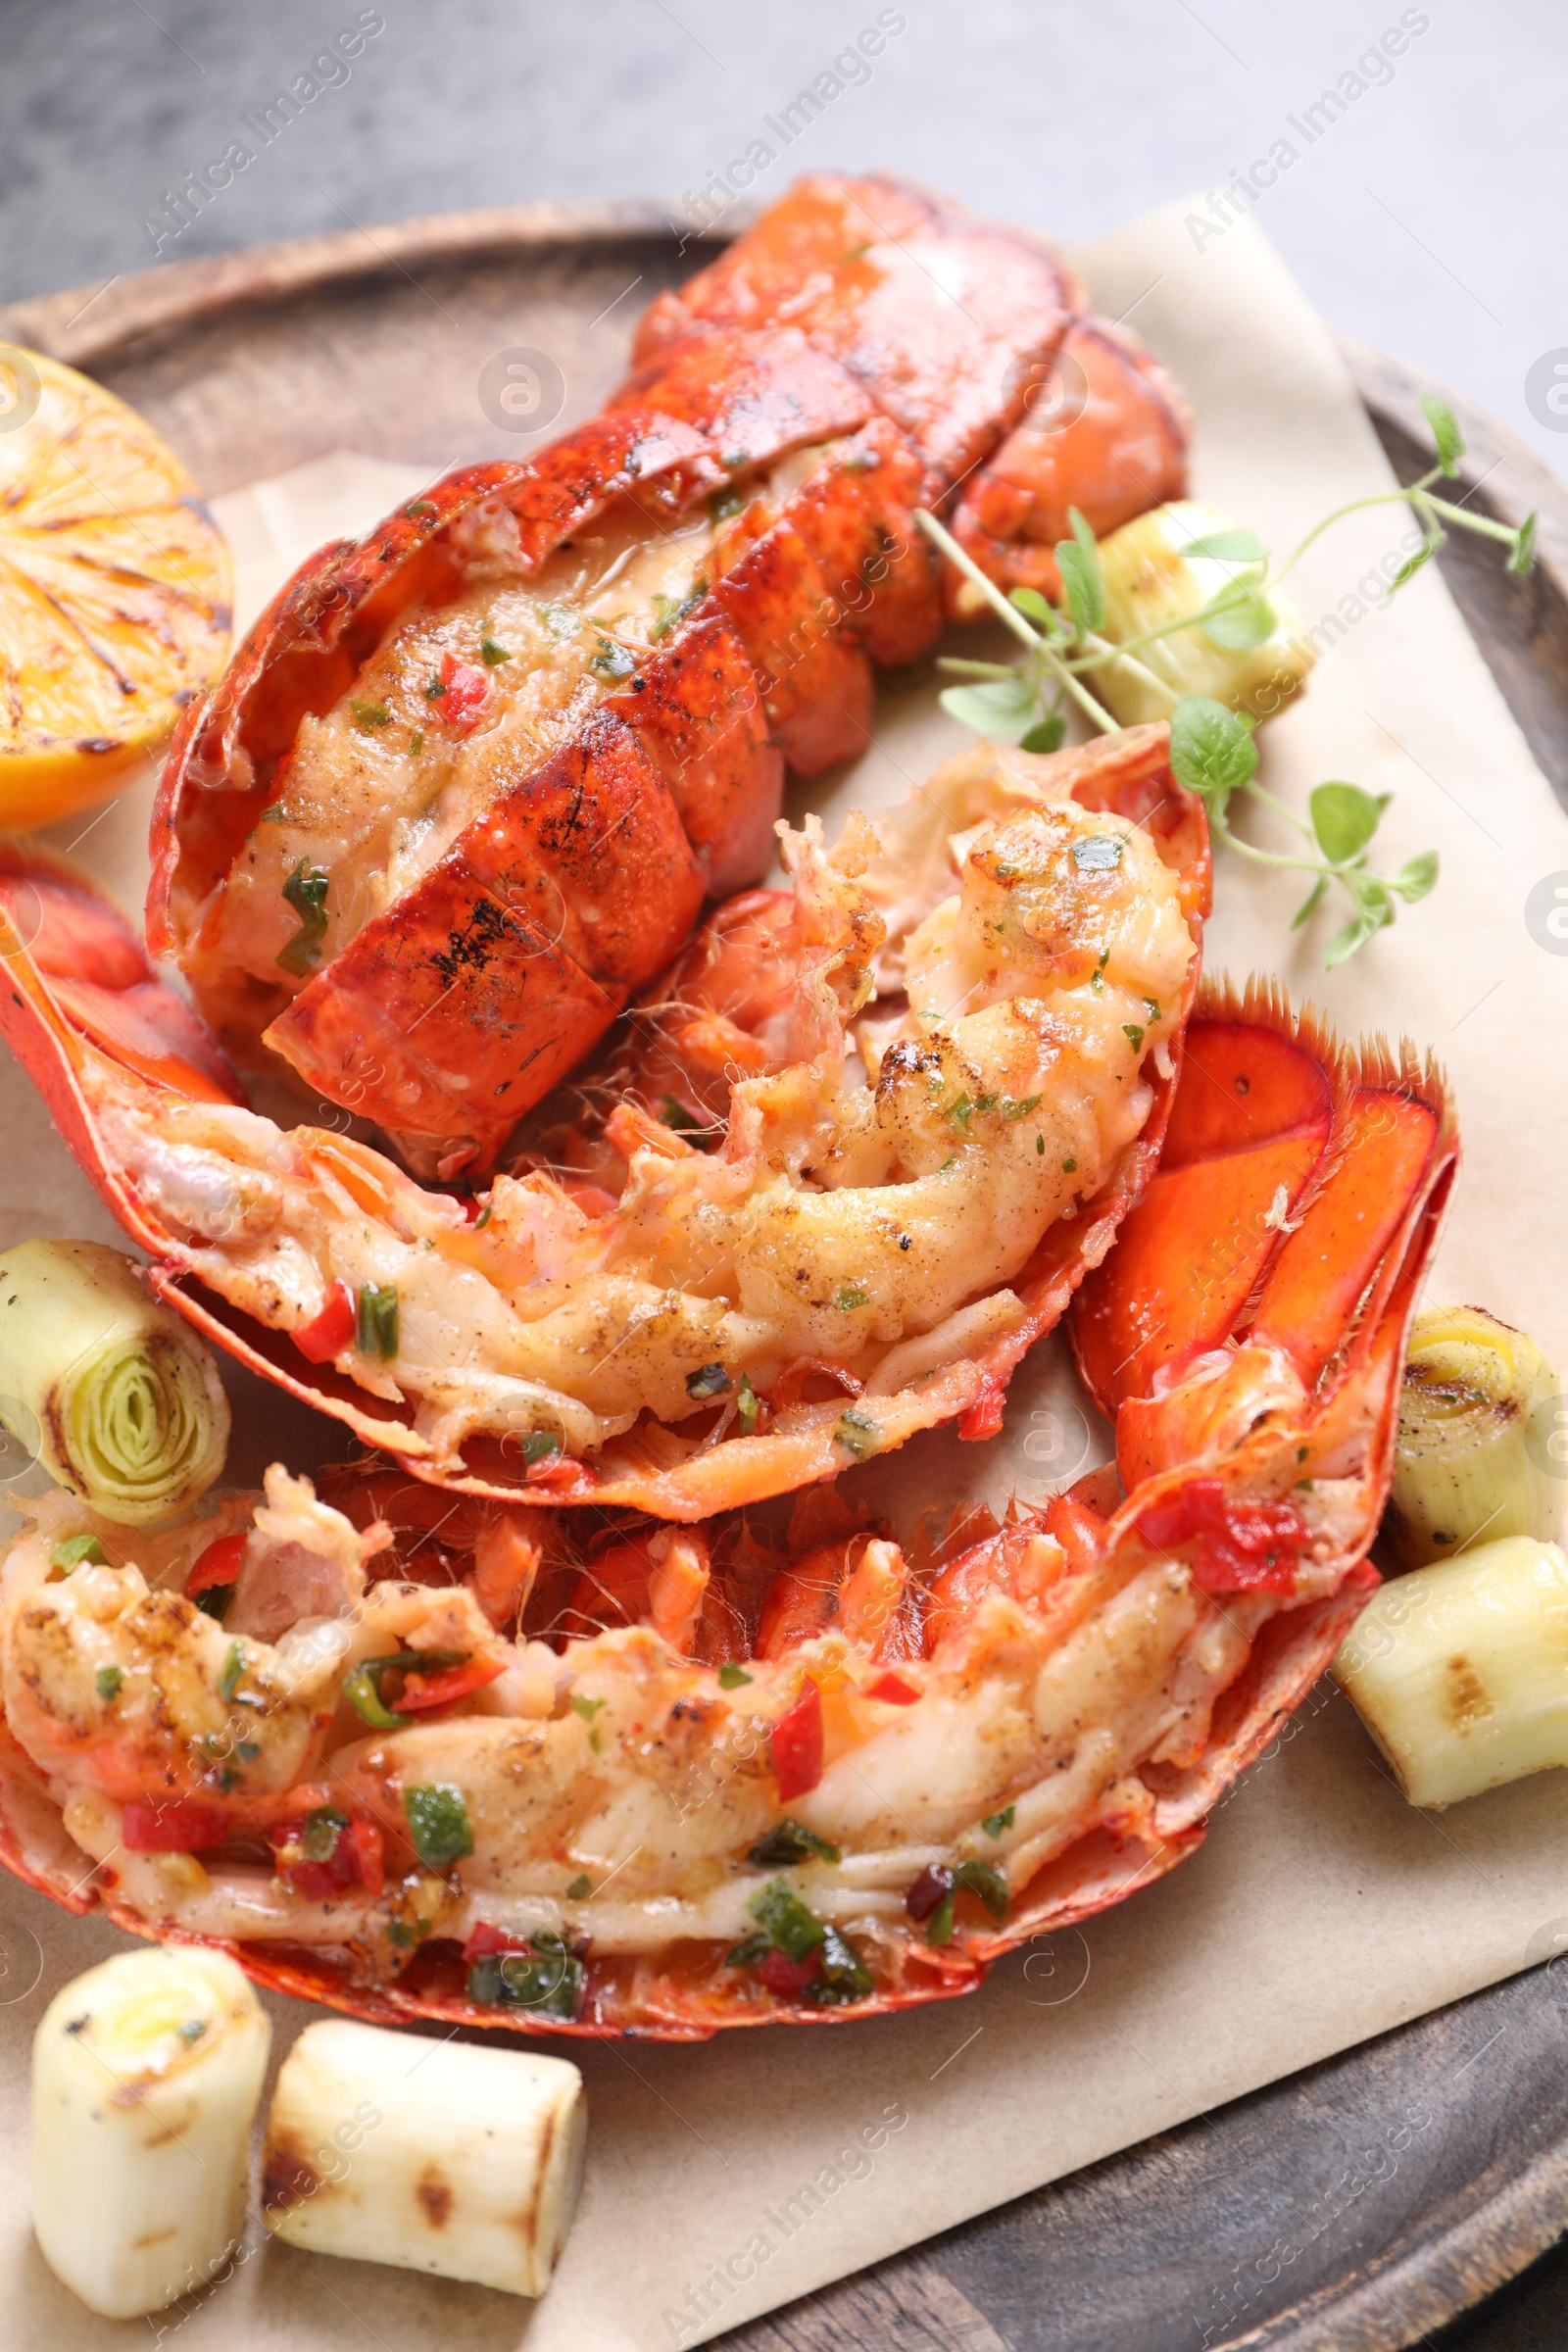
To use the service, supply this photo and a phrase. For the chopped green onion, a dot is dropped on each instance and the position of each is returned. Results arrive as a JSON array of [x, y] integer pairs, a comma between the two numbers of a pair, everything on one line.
[[233, 1668], [843, 1977], [1100, 854], [790, 1841], [731, 1677], [107, 1682], [540, 1443], [415, 744], [1134, 1035], [857, 1434], [434, 689], [438, 1823], [748, 1952], [581, 1888], [671, 611], [746, 1407], [1020, 1108], [368, 716], [939, 1926], [994, 1823], [849, 1299], [421, 505], [785, 1920], [376, 1330], [959, 1110], [71, 1550], [323, 1827], [362, 1688], [306, 892], [612, 661], [546, 1979], [987, 1882], [1069, 1167], [587, 1708], [490, 654]]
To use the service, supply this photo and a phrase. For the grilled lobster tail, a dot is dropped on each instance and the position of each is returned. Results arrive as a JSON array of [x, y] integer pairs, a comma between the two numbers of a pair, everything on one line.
[[468, 781]]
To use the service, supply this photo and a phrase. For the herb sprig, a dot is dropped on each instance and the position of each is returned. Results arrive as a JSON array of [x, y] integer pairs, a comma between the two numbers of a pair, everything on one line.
[[1213, 750]]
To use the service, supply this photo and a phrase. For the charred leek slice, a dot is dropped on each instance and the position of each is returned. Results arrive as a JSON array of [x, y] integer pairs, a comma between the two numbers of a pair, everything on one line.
[[146, 2074], [1253, 655], [1460, 1672], [119, 1400], [1477, 1429], [433, 2155]]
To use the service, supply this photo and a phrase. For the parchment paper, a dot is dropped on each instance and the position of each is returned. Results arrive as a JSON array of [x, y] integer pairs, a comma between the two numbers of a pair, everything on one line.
[[726, 2178]]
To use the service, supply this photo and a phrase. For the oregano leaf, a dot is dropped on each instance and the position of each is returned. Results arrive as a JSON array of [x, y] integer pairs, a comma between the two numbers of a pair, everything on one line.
[[1444, 431], [1211, 750], [1084, 589], [1238, 625], [1344, 819], [1228, 547], [1001, 707], [1033, 606], [1417, 876]]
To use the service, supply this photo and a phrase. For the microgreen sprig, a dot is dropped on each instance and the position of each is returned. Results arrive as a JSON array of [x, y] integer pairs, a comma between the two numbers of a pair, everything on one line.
[[1212, 753], [1026, 701]]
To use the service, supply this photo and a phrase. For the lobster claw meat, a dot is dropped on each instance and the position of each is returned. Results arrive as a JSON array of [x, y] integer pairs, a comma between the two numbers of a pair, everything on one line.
[[466, 784], [579, 1773], [672, 1328]]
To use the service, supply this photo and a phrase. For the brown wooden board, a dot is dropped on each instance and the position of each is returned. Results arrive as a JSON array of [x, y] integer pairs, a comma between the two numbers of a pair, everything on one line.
[[1334, 2218]]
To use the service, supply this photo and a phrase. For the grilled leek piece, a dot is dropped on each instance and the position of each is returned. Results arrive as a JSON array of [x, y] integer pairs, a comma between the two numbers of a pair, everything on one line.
[[146, 2074], [1252, 658], [110, 1390], [1477, 1452], [439, 2156], [1460, 1672]]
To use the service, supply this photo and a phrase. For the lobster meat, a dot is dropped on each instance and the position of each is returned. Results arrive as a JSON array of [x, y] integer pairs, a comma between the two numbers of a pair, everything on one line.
[[583, 1773], [464, 786], [632, 1321]]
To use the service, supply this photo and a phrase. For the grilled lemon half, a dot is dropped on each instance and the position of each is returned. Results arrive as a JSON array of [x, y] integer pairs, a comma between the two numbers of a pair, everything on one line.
[[114, 590]]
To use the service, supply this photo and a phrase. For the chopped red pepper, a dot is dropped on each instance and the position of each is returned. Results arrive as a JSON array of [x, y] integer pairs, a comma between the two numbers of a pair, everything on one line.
[[179, 1828], [448, 1683], [984, 1417], [332, 1329], [369, 1852], [484, 1941], [220, 1564], [928, 1891], [892, 1689], [787, 1976], [554, 1470], [356, 1855], [797, 1740], [1238, 1546], [467, 690]]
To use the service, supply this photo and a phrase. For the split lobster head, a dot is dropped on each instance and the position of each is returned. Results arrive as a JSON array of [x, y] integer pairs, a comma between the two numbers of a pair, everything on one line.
[[916, 358]]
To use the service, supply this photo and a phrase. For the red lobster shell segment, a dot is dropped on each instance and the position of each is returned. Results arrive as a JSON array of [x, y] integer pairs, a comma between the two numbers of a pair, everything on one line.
[[247, 1225], [387, 847], [875, 1765]]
